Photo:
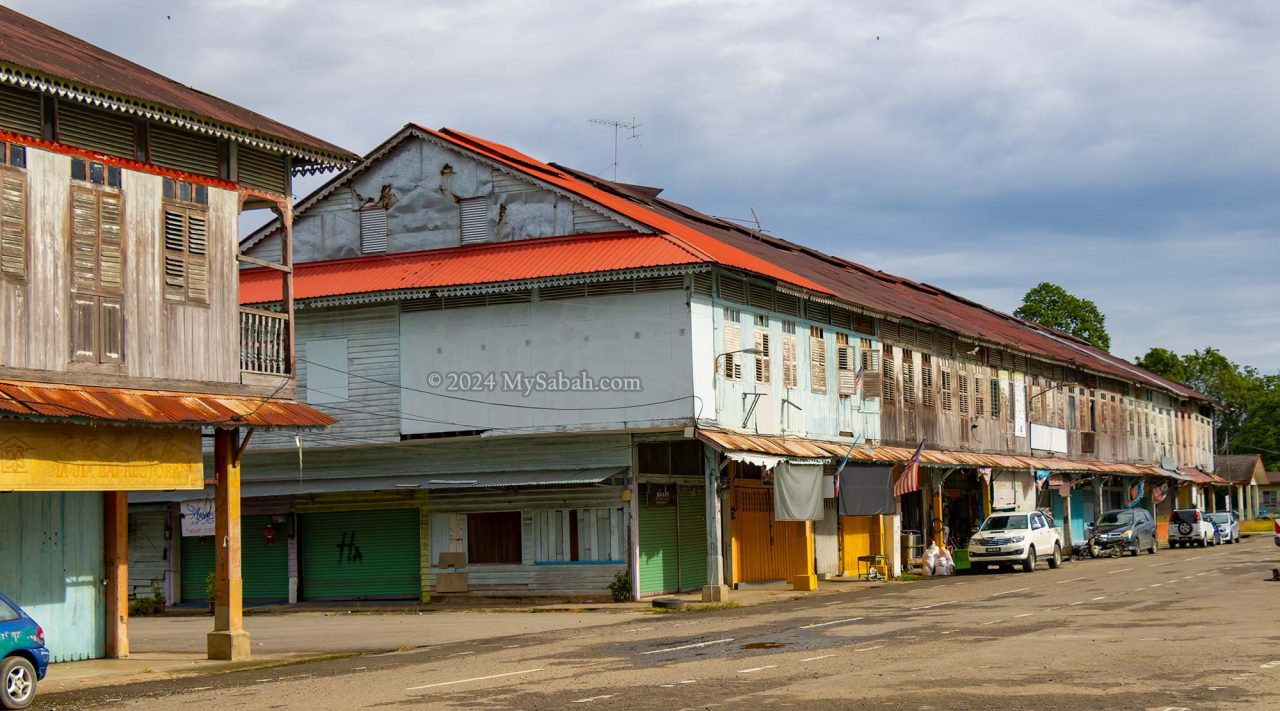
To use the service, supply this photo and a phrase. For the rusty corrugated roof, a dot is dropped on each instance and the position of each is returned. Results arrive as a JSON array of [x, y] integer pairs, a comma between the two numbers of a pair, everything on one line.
[[51, 401], [471, 264], [811, 448], [1201, 477], [1239, 469], [31, 46]]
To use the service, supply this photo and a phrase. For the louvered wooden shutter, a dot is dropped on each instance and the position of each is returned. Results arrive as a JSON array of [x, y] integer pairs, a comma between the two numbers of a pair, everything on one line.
[[175, 260], [95, 129], [13, 223], [475, 219], [871, 377], [790, 369], [197, 256], [20, 111], [818, 364], [84, 240], [183, 150], [890, 382], [763, 361], [732, 342], [261, 169], [110, 245], [847, 375]]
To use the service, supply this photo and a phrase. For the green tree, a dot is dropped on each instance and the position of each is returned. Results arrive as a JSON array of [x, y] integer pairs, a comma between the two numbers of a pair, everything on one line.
[[1051, 305], [1248, 421]]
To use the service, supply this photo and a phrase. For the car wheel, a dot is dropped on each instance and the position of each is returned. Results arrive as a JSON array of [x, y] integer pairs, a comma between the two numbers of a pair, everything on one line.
[[1134, 551], [1202, 543], [1029, 563], [17, 683], [1056, 560], [1155, 545]]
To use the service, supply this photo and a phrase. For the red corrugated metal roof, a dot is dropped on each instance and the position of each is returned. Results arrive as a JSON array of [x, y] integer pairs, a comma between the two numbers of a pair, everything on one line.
[[472, 264], [29, 400], [1199, 477], [733, 245], [30, 45]]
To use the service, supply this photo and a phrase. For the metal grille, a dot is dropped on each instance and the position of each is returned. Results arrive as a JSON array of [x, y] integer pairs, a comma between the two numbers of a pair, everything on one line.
[[96, 130], [475, 220], [183, 150], [263, 170], [20, 111], [373, 230]]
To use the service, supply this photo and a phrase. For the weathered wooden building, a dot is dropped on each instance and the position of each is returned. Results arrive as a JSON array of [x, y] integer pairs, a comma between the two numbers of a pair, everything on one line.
[[121, 334]]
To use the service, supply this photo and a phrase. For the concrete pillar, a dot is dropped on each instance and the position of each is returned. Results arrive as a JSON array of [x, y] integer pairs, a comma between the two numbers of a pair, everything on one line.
[[715, 590], [1066, 522], [293, 568], [228, 640], [804, 578], [1097, 496], [115, 515], [1254, 496]]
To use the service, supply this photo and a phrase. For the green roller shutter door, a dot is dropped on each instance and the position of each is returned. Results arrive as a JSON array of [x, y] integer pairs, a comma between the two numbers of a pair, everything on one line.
[[360, 555], [264, 566], [693, 538], [671, 559], [657, 549], [197, 562]]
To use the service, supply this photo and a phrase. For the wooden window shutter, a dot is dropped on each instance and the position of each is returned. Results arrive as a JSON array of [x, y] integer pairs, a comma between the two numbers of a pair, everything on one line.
[[110, 245], [979, 397], [763, 361], [732, 360], [926, 379], [13, 223], [817, 364], [963, 388], [944, 377], [871, 376], [908, 378], [846, 381], [890, 379], [110, 330], [790, 369], [197, 256], [84, 331], [175, 253], [84, 239]]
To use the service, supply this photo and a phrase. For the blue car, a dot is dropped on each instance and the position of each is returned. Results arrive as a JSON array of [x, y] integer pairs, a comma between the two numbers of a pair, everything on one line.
[[23, 656]]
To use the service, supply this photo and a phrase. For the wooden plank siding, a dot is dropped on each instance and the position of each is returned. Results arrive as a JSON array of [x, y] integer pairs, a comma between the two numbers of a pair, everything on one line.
[[164, 340], [531, 576]]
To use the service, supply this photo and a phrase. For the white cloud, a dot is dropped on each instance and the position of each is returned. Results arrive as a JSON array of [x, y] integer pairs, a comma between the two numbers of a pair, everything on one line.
[[1127, 150]]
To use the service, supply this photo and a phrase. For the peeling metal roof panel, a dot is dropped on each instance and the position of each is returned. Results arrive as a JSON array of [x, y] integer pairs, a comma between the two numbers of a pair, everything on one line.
[[37, 50], [85, 403], [471, 264]]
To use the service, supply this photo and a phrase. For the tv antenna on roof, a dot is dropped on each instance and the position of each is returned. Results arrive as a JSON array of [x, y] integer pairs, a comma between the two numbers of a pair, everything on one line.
[[617, 126]]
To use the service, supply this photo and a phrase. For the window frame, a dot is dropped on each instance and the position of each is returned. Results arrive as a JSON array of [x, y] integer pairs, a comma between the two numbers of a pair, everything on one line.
[[517, 516], [99, 297], [187, 200]]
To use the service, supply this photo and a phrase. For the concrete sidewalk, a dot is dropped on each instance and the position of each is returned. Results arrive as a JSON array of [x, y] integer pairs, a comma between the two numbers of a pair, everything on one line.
[[173, 646]]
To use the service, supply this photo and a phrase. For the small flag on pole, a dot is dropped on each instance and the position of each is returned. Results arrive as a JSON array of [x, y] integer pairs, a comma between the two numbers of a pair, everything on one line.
[[909, 480], [841, 468], [857, 382]]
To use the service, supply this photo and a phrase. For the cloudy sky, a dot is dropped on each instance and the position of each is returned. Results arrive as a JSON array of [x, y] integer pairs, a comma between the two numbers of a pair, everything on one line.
[[1126, 150]]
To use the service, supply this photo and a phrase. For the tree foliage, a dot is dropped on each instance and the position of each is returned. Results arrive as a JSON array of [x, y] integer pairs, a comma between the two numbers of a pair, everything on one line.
[[1050, 305], [1251, 425]]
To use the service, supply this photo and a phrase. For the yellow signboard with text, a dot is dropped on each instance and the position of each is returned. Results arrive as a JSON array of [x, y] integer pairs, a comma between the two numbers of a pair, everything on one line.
[[56, 457]]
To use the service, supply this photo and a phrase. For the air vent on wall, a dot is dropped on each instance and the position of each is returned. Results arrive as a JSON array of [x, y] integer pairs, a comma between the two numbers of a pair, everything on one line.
[[475, 220], [183, 150], [95, 129], [20, 111], [262, 170]]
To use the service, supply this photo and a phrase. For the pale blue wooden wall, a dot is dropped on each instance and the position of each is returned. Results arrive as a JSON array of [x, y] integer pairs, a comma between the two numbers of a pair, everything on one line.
[[51, 564]]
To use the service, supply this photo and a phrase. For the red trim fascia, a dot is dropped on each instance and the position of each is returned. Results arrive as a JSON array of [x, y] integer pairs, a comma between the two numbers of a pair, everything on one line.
[[126, 163]]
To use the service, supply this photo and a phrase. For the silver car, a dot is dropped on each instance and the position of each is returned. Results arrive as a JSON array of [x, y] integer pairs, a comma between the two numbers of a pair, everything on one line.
[[1228, 525]]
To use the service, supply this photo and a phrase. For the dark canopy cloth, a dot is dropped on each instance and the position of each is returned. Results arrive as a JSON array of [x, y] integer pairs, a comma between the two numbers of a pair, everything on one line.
[[866, 491]]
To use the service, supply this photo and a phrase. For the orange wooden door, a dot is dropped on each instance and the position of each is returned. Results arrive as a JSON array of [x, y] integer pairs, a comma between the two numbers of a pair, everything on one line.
[[764, 549], [860, 536]]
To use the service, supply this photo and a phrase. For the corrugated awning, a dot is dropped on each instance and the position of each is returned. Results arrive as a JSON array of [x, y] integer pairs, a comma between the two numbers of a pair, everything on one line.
[[796, 447], [408, 482], [1196, 476], [92, 404]]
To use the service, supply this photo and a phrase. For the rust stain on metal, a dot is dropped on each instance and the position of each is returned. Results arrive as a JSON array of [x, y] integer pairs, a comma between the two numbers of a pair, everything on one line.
[[153, 407]]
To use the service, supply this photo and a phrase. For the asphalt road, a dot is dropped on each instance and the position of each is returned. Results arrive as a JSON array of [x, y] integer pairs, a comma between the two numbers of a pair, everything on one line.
[[1185, 629]]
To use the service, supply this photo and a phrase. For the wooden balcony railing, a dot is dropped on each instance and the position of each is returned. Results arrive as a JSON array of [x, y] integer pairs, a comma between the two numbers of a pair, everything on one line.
[[263, 342]]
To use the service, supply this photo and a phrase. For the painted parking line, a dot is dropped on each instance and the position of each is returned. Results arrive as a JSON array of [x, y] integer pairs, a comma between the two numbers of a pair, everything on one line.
[[1196, 557], [814, 659], [589, 699], [1071, 580], [637, 629], [1121, 570], [1158, 565], [1025, 614], [1010, 592], [1100, 597], [475, 678], [1155, 585], [1270, 665], [756, 669], [695, 645], [1140, 589], [832, 622], [936, 604], [837, 602], [1081, 602], [868, 649], [992, 622]]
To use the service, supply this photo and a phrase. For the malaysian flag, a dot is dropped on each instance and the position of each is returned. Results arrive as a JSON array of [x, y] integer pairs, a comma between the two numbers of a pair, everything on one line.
[[840, 469], [909, 480], [857, 382]]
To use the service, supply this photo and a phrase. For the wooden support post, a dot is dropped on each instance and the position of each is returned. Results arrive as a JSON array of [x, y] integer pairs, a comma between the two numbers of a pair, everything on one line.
[[937, 514], [1067, 533], [228, 640], [115, 514]]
